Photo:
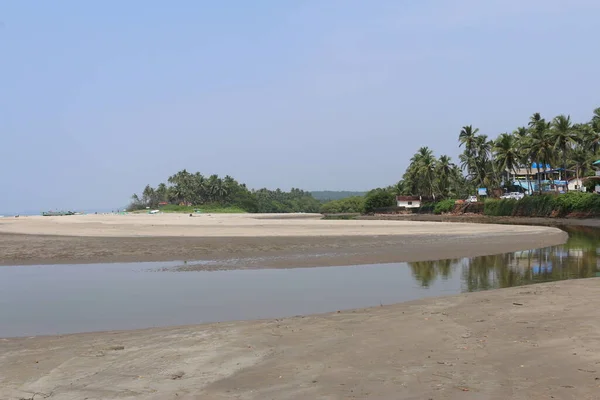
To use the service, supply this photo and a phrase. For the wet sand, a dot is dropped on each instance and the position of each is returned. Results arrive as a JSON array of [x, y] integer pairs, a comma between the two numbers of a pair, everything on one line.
[[485, 219], [534, 342], [261, 241]]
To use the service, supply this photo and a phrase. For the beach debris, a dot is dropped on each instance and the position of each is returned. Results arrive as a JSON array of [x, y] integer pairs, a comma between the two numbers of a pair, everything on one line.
[[177, 375], [115, 348], [517, 304]]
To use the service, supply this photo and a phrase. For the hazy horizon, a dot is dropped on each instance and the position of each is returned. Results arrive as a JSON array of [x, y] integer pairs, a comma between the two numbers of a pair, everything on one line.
[[100, 99]]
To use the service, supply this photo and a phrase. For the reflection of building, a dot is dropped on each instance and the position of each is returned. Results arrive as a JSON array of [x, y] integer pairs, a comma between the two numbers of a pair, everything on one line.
[[538, 260]]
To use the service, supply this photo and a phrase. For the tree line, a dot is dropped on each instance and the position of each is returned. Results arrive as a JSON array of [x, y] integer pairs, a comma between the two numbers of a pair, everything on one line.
[[489, 163], [484, 162], [186, 188]]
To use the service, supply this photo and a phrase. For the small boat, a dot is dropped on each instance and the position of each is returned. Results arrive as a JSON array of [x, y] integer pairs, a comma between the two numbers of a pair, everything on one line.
[[57, 213]]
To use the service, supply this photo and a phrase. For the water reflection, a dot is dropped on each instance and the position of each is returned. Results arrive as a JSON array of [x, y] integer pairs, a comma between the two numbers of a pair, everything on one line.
[[578, 258]]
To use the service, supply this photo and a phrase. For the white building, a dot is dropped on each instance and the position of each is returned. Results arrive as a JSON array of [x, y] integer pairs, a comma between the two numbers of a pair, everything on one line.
[[576, 185], [408, 201]]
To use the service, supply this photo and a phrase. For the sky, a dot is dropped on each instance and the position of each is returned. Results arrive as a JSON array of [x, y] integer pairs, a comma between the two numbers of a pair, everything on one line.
[[98, 99]]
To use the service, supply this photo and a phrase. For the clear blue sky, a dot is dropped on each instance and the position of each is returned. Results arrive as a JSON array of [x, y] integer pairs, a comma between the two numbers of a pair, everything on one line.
[[98, 99]]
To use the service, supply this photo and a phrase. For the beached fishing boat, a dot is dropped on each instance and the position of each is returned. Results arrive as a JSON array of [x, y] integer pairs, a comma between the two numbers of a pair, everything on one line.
[[57, 213]]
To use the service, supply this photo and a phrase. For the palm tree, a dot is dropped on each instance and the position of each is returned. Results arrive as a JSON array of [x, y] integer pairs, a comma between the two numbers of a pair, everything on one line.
[[468, 138], [590, 134], [420, 174], [507, 153], [399, 188], [162, 192], [427, 169], [486, 173], [522, 139], [596, 116], [444, 171], [564, 136], [579, 161], [541, 148]]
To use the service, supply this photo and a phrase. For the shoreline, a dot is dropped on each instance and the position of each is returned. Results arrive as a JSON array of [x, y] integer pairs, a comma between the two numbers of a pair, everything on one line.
[[485, 219]]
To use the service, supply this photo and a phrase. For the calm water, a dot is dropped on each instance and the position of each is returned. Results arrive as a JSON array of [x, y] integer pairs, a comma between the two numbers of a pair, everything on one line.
[[56, 299]]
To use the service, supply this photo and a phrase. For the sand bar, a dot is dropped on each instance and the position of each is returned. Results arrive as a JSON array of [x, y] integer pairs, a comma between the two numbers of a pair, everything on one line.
[[275, 239]]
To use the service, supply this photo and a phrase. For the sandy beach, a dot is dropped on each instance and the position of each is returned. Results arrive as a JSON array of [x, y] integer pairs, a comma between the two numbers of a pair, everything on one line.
[[275, 239], [533, 342]]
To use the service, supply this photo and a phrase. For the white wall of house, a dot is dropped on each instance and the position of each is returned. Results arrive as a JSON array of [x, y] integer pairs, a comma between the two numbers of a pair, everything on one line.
[[576, 184], [409, 203]]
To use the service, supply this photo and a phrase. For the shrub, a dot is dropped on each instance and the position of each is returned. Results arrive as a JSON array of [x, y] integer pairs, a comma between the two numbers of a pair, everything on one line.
[[444, 206], [348, 205], [499, 208], [379, 198], [547, 205]]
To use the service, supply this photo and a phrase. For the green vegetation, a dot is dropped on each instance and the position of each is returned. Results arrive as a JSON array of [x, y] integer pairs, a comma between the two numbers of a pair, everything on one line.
[[498, 208], [206, 208], [215, 194], [572, 203], [354, 204], [379, 198], [341, 216], [330, 195], [444, 206], [484, 163], [429, 176], [488, 163]]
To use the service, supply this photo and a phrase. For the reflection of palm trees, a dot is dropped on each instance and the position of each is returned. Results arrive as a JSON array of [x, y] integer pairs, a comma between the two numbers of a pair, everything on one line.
[[536, 266], [578, 258], [428, 271]]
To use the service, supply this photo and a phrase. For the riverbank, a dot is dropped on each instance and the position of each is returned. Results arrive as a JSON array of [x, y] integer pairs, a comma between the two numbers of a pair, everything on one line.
[[484, 219], [261, 241], [533, 342]]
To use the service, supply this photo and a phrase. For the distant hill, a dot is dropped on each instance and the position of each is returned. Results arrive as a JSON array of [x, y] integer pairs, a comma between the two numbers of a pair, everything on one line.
[[325, 195]]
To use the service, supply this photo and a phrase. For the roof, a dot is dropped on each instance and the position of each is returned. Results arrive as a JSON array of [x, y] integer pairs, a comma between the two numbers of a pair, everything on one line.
[[535, 165], [408, 198]]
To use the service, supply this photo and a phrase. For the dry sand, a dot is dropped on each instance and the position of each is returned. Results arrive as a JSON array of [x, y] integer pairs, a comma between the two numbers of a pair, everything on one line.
[[279, 242], [535, 342]]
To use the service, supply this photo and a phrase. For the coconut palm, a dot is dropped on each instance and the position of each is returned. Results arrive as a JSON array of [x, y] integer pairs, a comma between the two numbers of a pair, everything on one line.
[[507, 153], [420, 174], [541, 148], [580, 159], [444, 172], [468, 138], [485, 171], [564, 137], [522, 139]]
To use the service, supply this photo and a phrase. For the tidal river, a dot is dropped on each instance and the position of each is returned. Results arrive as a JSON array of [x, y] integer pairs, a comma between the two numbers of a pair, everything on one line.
[[59, 299]]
